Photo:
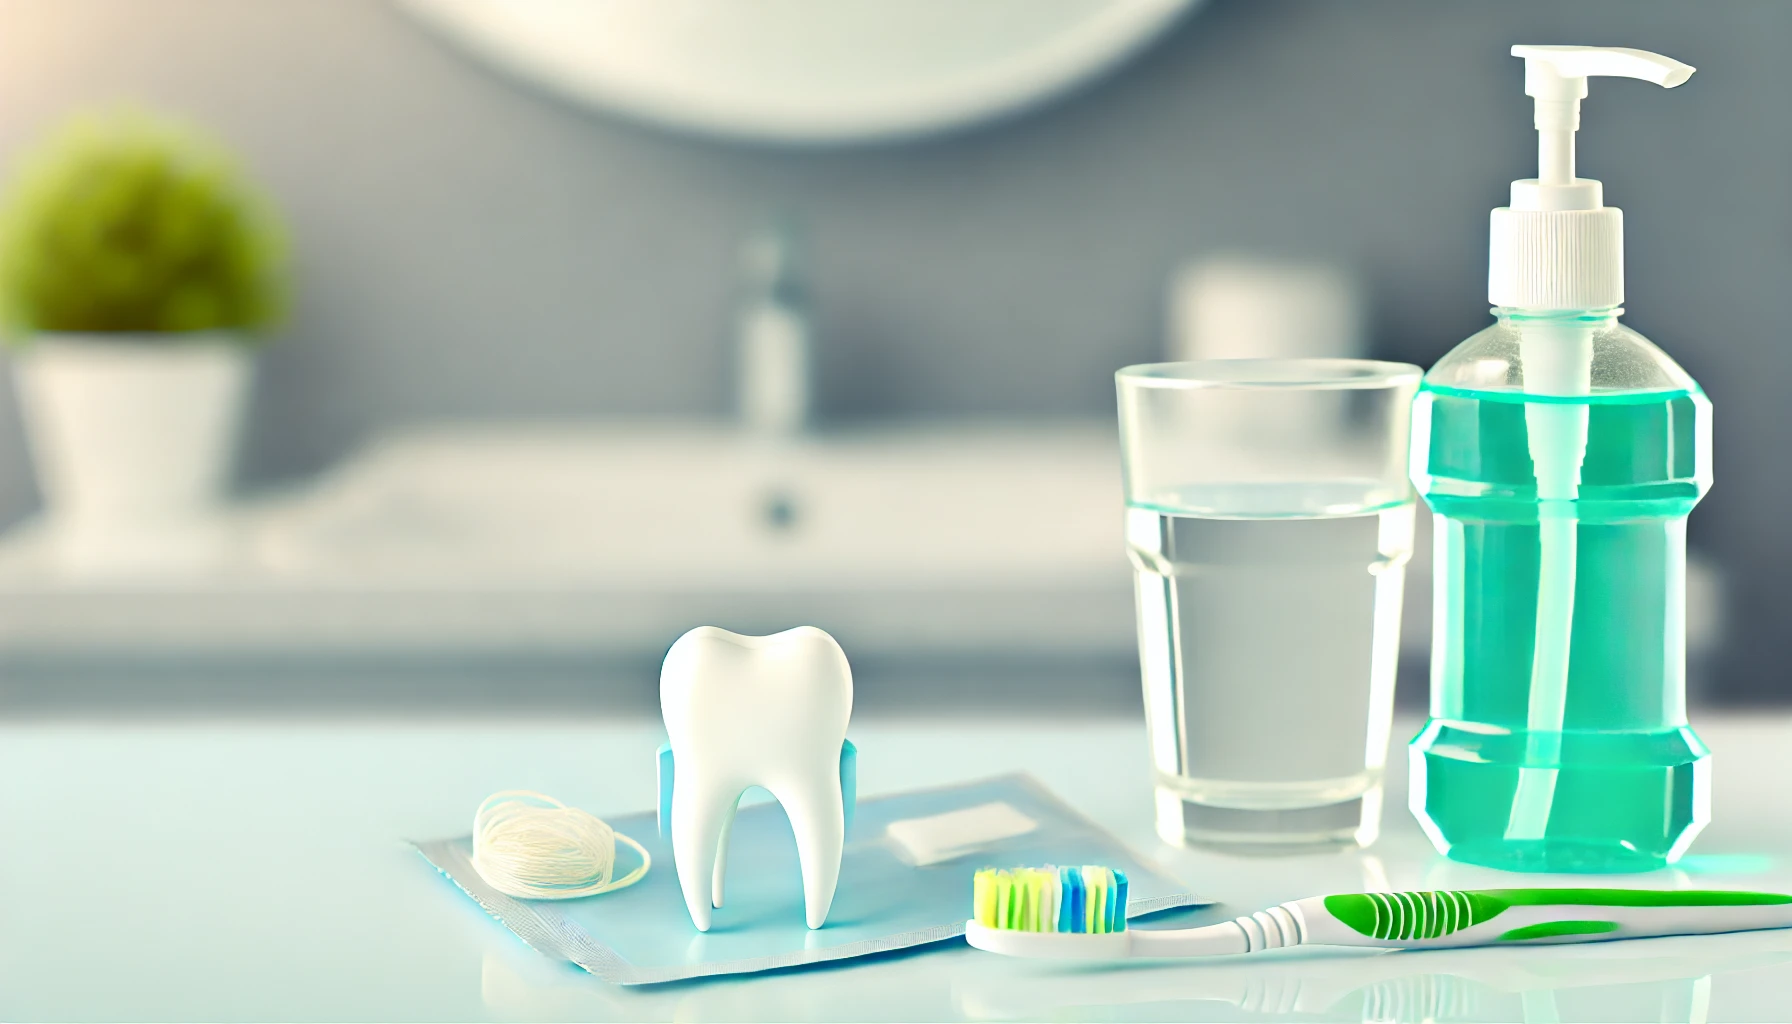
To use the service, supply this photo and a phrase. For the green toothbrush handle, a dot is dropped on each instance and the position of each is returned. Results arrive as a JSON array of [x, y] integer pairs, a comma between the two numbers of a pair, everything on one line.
[[1488, 917]]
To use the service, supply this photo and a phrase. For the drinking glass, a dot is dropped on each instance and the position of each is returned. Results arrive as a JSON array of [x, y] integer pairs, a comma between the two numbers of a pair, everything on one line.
[[1269, 521]]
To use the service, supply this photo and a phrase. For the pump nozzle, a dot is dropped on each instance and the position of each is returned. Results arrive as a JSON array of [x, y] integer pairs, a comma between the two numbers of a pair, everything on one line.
[[1558, 246], [1556, 77], [1565, 63]]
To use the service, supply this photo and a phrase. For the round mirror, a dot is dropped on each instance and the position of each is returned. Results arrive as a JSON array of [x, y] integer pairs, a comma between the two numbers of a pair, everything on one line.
[[823, 71]]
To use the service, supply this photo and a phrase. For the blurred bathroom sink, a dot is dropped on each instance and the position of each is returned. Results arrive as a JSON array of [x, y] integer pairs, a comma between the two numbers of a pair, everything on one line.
[[712, 509], [989, 538]]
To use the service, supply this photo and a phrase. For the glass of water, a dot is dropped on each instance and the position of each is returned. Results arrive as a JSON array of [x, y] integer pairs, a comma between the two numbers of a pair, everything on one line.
[[1269, 521]]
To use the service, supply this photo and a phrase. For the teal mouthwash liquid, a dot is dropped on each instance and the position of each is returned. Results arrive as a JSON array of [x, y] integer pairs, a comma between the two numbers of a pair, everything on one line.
[[1623, 784]]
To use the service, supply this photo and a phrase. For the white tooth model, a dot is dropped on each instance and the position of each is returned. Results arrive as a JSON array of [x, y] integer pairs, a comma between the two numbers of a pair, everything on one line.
[[766, 711]]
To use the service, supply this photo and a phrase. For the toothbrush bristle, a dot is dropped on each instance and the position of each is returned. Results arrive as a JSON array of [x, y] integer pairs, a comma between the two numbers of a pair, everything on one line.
[[1087, 899]]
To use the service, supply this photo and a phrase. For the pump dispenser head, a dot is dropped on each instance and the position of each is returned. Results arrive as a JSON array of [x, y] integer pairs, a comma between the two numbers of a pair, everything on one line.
[[1558, 247]]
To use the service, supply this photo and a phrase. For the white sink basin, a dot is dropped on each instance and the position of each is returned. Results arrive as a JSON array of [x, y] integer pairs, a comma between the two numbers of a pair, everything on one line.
[[698, 509], [998, 538]]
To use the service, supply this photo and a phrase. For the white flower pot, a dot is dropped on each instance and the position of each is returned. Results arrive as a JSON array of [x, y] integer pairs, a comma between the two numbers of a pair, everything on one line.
[[133, 437]]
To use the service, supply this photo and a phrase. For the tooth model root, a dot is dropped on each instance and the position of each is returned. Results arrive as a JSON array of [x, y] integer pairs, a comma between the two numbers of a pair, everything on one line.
[[722, 855], [819, 819], [698, 821], [765, 711]]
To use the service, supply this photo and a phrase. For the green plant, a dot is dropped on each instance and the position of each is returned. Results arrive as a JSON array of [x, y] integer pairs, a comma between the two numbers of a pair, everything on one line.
[[127, 221]]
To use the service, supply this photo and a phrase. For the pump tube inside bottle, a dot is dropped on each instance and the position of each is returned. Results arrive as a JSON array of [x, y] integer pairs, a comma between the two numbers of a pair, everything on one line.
[[1557, 361]]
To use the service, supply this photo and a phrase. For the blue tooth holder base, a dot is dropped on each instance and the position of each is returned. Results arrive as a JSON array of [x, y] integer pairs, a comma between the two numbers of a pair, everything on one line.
[[849, 784]]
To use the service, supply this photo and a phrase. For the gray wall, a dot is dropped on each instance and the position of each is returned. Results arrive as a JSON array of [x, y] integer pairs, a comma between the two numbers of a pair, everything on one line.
[[468, 248]]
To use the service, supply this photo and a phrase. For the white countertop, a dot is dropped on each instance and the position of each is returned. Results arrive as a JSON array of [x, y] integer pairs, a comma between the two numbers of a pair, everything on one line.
[[257, 870]]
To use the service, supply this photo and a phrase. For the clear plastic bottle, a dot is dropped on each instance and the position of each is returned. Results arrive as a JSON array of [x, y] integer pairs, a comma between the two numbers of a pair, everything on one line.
[[1622, 780], [1561, 452]]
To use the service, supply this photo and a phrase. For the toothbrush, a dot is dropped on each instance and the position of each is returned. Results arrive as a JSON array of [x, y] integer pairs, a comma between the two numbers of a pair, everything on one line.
[[1078, 914]]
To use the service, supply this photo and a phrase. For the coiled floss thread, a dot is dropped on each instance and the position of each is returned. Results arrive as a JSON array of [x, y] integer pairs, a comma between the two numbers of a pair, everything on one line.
[[532, 846]]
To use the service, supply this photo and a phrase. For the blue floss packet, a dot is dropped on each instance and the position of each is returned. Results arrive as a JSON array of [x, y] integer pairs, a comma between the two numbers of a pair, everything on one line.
[[643, 935]]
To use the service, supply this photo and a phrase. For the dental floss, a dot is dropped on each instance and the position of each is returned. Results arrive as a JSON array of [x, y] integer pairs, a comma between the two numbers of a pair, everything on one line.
[[532, 846]]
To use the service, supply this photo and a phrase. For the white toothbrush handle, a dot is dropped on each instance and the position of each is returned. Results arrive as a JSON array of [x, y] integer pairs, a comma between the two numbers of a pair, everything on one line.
[[1162, 944], [1427, 920], [1210, 940], [1266, 929], [1419, 920], [1490, 917]]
